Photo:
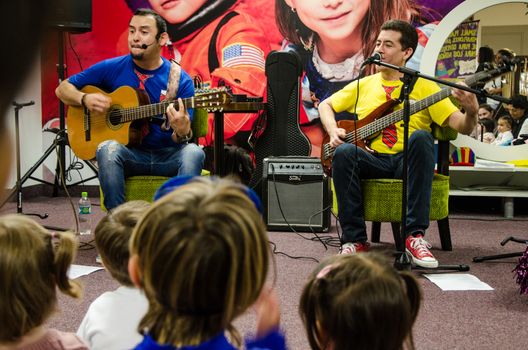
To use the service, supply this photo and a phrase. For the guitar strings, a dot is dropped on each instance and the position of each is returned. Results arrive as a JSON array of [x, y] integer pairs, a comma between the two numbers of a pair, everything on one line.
[[118, 116]]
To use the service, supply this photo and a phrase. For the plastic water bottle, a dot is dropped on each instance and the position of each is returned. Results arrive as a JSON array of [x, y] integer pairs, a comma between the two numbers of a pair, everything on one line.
[[85, 214]]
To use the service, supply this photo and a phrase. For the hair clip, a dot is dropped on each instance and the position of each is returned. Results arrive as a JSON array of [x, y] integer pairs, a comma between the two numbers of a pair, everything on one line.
[[325, 270]]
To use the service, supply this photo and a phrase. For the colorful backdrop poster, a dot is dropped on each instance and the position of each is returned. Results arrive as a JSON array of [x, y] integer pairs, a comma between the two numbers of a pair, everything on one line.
[[110, 25], [458, 56]]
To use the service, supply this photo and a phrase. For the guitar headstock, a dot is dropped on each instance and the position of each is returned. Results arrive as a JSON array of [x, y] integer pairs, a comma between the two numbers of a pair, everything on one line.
[[212, 100]]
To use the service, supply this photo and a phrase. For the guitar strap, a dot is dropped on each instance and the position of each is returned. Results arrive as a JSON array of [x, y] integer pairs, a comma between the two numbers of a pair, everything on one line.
[[174, 80]]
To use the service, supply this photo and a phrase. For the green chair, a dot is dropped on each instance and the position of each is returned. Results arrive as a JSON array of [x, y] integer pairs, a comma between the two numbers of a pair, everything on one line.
[[143, 187], [382, 197]]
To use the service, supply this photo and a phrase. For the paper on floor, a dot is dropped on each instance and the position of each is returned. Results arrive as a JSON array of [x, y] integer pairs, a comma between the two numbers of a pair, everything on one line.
[[77, 271], [457, 281]]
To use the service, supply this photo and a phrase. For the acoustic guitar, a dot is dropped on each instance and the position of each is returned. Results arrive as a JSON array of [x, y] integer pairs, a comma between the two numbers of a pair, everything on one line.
[[360, 132], [86, 130]]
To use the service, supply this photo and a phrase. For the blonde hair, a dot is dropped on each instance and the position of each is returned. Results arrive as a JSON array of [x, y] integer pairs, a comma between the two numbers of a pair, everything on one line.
[[203, 258], [31, 267], [359, 297], [112, 238]]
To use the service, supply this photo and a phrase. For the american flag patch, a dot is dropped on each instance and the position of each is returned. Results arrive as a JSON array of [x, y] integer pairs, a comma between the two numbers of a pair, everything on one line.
[[242, 55]]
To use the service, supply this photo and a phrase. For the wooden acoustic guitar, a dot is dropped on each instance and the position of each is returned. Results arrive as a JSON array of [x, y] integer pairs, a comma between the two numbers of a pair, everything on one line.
[[86, 130], [360, 132]]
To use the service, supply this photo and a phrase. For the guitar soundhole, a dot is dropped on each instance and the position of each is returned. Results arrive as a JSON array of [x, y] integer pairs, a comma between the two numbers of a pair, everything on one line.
[[115, 117]]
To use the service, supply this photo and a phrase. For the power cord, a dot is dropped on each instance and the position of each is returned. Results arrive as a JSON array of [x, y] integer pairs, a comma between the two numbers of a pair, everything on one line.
[[284, 217]]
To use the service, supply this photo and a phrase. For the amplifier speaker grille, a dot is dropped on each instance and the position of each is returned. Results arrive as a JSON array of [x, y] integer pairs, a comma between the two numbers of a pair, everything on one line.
[[296, 194]]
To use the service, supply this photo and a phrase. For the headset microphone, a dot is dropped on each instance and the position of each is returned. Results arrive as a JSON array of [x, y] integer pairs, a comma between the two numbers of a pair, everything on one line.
[[145, 46]]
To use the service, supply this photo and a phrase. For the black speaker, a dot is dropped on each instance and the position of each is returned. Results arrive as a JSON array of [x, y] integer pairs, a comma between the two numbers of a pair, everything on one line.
[[296, 194], [74, 16], [282, 135]]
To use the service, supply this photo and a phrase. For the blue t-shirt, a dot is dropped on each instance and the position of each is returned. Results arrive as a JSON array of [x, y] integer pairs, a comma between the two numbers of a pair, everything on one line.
[[272, 341], [113, 73]]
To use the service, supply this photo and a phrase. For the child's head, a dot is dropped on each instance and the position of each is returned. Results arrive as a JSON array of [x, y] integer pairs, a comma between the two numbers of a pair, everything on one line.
[[487, 124], [112, 238], [31, 268], [504, 123], [359, 298], [200, 253]]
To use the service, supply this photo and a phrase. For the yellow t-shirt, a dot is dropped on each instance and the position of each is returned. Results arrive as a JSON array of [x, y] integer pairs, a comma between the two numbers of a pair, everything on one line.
[[372, 94]]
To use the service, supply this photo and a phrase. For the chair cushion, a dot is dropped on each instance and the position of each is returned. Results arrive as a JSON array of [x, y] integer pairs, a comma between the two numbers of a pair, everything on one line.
[[142, 187], [382, 199]]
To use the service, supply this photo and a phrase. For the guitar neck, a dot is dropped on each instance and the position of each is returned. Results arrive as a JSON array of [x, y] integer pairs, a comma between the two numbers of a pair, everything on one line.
[[380, 124], [151, 110]]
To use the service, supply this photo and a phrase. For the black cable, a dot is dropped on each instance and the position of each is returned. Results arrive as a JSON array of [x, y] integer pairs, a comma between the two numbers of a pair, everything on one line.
[[86, 245], [282, 212], [275, 251], [75, 52]]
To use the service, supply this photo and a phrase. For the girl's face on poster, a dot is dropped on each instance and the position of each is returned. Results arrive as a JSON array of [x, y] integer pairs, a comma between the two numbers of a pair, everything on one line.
[[176, 11], [334, 19]]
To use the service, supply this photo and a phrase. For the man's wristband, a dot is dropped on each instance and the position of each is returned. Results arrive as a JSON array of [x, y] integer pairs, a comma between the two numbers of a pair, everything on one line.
[[184, 138], [82, 100]]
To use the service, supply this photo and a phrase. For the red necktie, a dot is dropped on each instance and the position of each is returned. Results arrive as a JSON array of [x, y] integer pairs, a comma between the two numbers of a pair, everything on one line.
[[142, 80], [389, 136]]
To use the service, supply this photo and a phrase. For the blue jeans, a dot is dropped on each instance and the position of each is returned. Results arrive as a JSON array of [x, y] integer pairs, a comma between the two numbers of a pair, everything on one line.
[[117, 162], [349, 167]]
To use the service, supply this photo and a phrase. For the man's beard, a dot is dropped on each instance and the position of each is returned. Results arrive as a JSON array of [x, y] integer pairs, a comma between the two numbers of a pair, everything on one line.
[[137, 56]]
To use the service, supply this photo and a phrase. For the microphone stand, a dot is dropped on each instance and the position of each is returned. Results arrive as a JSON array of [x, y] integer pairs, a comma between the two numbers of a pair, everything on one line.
[[402, 261]]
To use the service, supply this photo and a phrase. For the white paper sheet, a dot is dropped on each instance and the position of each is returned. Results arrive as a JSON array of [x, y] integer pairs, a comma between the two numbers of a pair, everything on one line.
[[457, 281], [77, 271]]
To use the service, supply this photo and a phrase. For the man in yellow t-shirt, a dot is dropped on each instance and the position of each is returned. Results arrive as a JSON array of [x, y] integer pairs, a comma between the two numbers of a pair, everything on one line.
[[396, 44]]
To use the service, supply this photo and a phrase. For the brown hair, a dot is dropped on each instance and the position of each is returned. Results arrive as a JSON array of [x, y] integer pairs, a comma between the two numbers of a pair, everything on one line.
[[203, 258], [507, 118], [360, 299], [294, 30], [31, 268], [112, 238]]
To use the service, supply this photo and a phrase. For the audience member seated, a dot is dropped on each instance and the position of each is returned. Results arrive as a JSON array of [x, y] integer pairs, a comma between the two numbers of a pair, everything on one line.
[[484, 112], [359, 302], [504, 127], [33, 265], [499, 84], [201, 255], [519, 113], [112, 319], [485, 58]]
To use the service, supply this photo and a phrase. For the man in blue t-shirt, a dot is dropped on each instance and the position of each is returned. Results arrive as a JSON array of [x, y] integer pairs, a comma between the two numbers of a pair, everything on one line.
[[162, 146]]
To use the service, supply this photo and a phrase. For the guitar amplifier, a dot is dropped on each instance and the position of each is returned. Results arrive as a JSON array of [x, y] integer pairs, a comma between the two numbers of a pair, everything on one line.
[[296, 194]]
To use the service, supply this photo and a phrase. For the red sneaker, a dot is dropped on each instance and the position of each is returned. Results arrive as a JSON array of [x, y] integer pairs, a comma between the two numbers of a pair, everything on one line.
[[353, 248], [418, 248]]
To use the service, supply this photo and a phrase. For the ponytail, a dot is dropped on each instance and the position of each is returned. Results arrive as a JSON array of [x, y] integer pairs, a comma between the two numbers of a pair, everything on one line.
[[64, 254]]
